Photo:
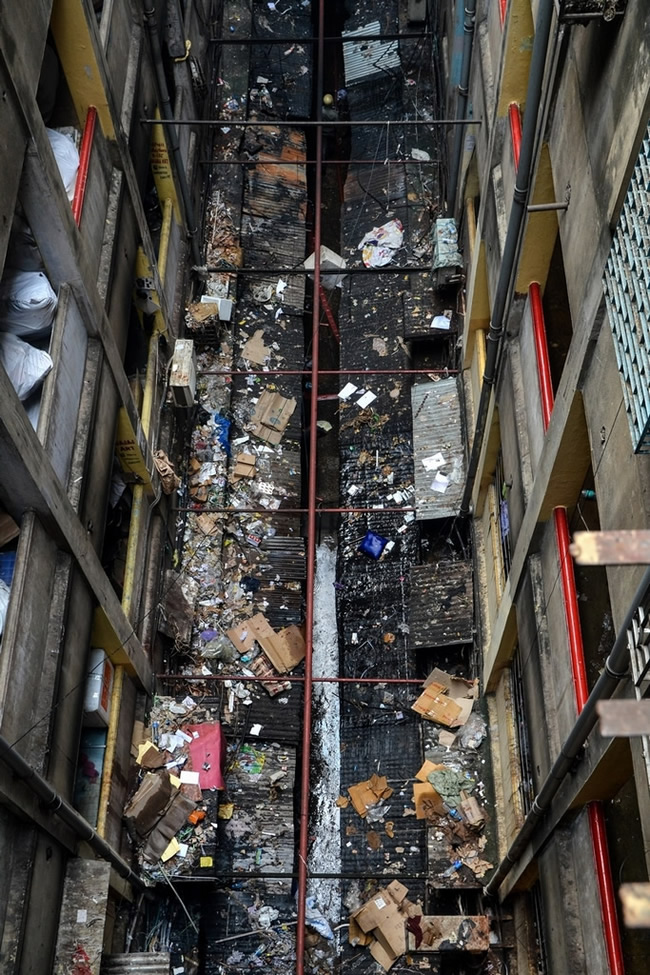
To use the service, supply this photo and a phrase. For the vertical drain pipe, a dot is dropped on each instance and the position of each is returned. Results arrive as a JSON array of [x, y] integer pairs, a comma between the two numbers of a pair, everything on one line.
[[602, 865], [461, 103], [84, 164], [305, 768], [137, 511]]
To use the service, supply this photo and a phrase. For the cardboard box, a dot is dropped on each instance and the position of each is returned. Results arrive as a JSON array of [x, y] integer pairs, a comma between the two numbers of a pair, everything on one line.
[[380, 924], [285, 649], [434, 704], [254, 349], [147, 805], [423, 793], [366, 794], [244, 466], [271, 417]]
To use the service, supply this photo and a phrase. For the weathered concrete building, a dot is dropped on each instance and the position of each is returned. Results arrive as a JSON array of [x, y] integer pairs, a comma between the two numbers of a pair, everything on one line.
[[546, 162], [552, 191]]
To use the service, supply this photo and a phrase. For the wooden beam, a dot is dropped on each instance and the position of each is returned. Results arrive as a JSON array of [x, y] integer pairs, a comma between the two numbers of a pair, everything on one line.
[[29, 482], [611, 547]]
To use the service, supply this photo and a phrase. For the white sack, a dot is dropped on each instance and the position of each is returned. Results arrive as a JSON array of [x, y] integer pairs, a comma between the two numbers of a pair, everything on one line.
[[26, 366], [4, 603], [27, 303], [67, 159]]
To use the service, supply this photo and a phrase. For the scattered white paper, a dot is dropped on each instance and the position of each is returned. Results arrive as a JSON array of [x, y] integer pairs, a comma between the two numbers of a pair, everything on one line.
[[347, 391], [280, 287], [255, 730], [420, 155], [182, 851], [82, 916], [440, 483], [189, 777], [434, 462], [441, 322], [366, 399]]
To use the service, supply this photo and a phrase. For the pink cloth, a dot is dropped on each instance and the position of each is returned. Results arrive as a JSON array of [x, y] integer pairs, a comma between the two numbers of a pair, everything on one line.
[[209, 748]]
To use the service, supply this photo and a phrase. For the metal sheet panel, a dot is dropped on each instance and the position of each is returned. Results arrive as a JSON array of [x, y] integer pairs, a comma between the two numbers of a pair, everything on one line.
[[137, 963], [441, 607], [437, 429], [366, 58]]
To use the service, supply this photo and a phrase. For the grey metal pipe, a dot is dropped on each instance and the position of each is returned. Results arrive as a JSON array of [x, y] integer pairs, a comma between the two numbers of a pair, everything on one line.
[[515, 224], [616, 668], [171, 133], [66, 813], [461, 103]]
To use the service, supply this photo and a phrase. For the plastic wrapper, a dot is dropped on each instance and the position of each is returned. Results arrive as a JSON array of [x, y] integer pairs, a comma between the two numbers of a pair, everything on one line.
[[67, 159], [26, 366], [27, 303]]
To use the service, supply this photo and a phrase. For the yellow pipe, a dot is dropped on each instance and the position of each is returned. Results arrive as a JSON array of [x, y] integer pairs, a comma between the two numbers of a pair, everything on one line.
[[137, 508]]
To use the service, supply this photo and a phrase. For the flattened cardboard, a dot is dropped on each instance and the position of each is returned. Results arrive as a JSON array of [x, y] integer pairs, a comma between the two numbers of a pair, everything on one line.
[[147, 805], [423, 792], [423, 774], [254, 349], [175, 817], [271, 417], [366, 794], [382, 955], [244, 466], [244, 635], [434, 704], [471, 933], [287, 649], [149, 756], [356, 935], [397, 891]]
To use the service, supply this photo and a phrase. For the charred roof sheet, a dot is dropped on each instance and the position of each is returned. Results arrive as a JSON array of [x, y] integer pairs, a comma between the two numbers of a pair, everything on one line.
[[363, 59], [280, 75], [441, 604], [439, 455]]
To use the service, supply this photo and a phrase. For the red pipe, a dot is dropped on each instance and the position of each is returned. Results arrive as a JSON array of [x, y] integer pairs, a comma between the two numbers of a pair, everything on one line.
[[84, 164], [305, 765], [503, 6], [515, 131], [541, 348], [581, 689]]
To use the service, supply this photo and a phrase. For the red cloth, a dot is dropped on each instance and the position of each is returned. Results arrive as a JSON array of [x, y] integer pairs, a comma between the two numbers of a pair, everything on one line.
[[209, 748]]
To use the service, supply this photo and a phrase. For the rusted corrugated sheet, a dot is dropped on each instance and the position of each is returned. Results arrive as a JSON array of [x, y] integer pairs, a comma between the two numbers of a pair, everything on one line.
[[437, 430], [441, 606], [137, 963], [366, 58]]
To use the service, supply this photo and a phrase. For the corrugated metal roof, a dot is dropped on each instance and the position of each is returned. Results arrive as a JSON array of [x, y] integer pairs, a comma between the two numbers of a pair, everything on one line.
[[137, 963], [437, 429], [366, 58], [441, 607]]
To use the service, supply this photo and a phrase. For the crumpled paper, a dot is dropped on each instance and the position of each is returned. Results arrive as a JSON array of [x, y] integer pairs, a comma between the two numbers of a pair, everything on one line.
[[380, 243]]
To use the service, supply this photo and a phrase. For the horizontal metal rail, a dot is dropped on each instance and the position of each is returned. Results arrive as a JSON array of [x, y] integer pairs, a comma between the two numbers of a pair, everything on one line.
[[356, 39], [328, 372], [306, 123], [254, 679], [266, 271], [292, 511], [312, 162]]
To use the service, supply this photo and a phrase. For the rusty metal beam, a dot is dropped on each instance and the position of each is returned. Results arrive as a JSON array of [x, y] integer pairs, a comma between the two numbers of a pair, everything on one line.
[[312, 162], [328, 372], [253, 679], [290, 511], [272, 271], [307, 123], [339, 39], [611, 547]]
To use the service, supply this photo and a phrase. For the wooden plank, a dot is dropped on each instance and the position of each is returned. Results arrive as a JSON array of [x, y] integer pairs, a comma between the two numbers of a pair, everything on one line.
[[611, 547], [624, 719]]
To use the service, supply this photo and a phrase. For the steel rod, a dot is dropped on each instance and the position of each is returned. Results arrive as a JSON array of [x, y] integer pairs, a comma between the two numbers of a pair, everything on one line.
[[312, 162], [312, 499], [328, 372], [272, 271], [260, 875], [290, 511], [336, 39], [306, 123], [542, 207], [255, 679]]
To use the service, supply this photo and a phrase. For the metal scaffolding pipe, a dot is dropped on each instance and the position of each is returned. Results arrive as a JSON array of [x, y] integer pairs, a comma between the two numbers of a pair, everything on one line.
[[359, 39], [541, 46], [254, 679], [58, 806], [213, 509], [302, 123], [615, 670], [461, 103], [272, 271], [305, 764], [328, 372], [312, 162]]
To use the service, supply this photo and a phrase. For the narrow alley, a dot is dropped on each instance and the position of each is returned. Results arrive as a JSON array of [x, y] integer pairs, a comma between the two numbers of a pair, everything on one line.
[[324, 511]]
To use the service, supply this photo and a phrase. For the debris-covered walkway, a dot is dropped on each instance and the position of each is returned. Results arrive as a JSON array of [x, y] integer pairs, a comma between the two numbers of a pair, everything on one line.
[[353, 595]]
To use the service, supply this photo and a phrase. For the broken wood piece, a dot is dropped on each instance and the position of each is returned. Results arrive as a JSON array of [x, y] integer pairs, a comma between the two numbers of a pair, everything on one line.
[[624, 718], [611, 547]]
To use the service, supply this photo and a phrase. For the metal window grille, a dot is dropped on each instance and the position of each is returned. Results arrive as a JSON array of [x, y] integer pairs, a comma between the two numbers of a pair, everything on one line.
[[627, 294], [638, 638]]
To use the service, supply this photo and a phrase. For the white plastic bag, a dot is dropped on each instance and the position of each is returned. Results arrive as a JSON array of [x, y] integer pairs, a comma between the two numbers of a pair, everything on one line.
[[67, 159], [4, 603], [26, 366], [27, 303]]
